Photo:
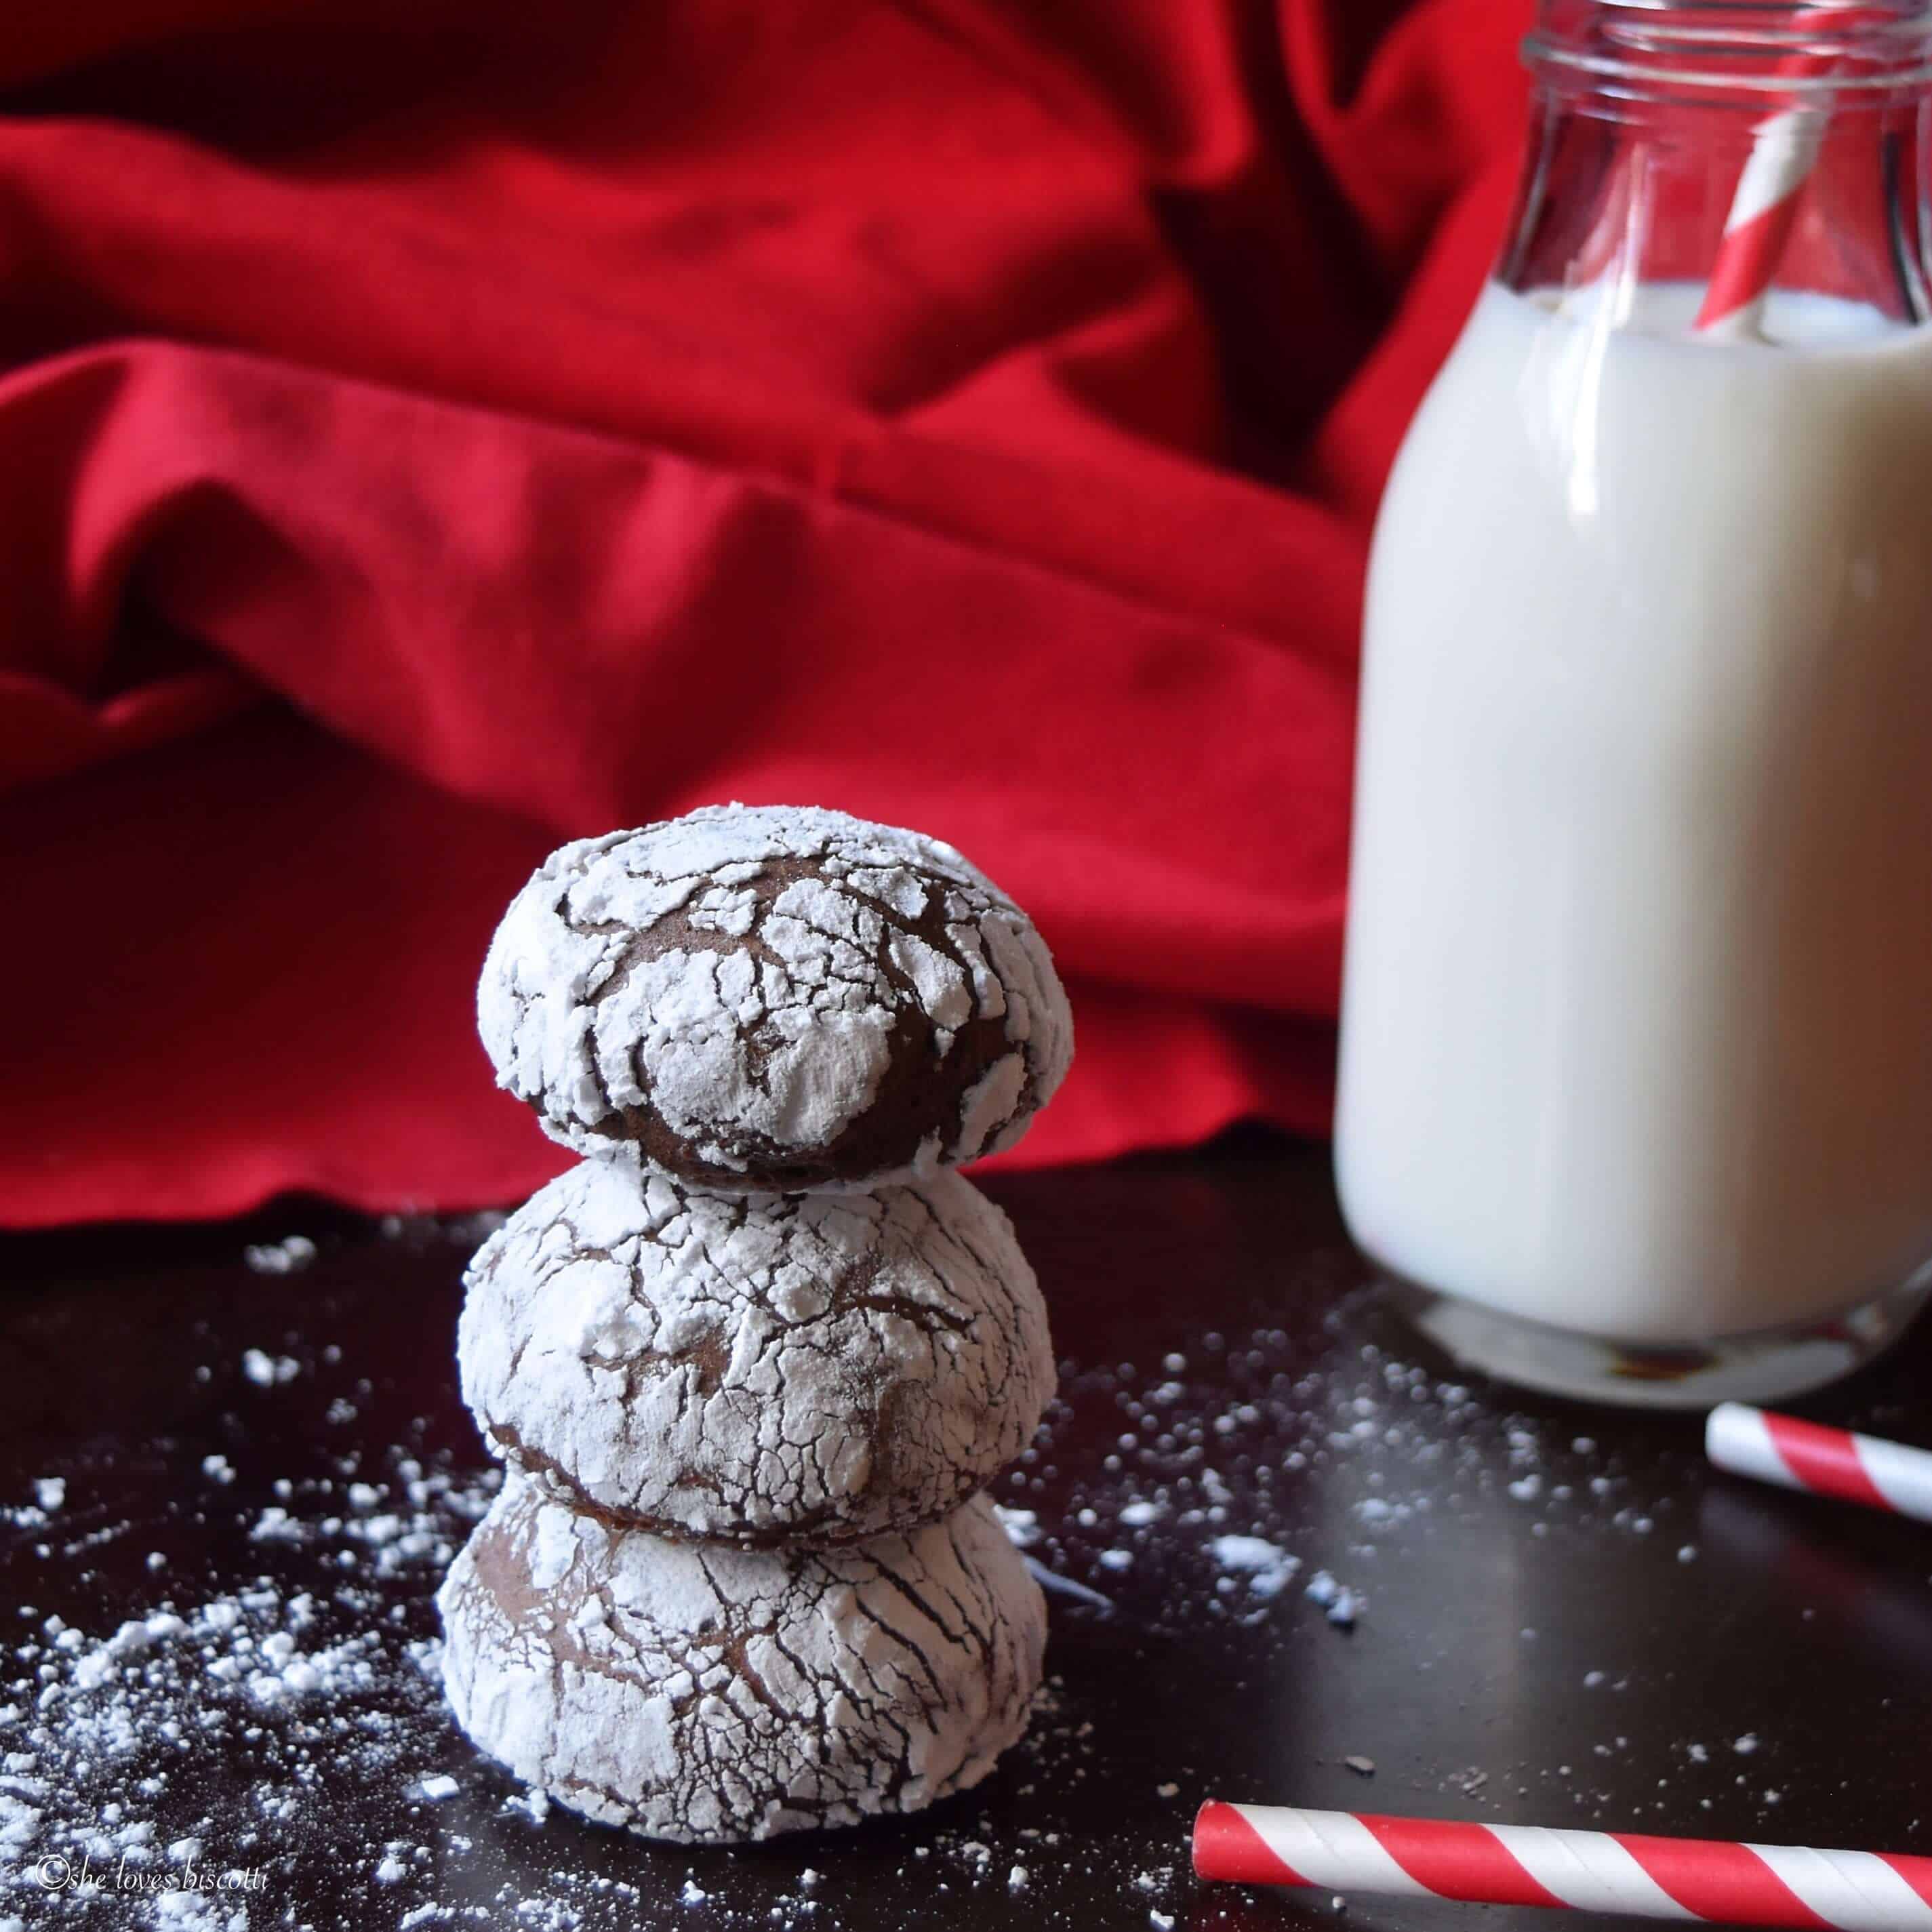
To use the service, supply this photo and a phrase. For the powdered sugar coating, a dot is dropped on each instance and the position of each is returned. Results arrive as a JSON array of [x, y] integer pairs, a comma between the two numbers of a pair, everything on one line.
[[707, 1693], [774, 997], [755, 1367]]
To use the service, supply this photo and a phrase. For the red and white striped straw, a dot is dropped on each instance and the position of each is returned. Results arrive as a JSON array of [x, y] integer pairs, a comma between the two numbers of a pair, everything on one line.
[[1720, 1882], [1764, 211], [1770, 191], [1823, 1462]]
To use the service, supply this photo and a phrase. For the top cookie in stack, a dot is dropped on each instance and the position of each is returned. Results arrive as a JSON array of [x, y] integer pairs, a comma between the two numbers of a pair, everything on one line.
[[774, 1000]]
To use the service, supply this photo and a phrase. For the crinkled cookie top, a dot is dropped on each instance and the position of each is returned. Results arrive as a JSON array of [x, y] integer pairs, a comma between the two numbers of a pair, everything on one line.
[[760, 1368], [706, 1693], [766, 997]]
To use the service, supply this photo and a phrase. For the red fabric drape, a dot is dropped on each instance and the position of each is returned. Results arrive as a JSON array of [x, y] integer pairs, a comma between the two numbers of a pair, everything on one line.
[[428, 432]]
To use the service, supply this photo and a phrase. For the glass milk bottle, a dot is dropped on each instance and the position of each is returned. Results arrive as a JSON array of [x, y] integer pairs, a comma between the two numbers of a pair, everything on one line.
[[1636, 1087]]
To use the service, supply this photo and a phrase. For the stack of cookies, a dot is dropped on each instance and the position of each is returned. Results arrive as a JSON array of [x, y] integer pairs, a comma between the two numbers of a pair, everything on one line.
[[750, 1362]]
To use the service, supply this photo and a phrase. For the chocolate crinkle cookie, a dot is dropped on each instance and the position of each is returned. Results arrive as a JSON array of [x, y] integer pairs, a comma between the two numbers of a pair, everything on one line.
[[774, 998], [755, 1368], [702, 1694]]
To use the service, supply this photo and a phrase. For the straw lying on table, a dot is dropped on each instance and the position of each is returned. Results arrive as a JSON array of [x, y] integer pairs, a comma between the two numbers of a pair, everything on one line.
[[1806, 1455], [1704, 1879]]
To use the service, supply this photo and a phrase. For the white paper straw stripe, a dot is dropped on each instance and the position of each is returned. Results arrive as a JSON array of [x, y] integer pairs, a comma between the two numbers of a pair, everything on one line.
[[1902, 1476], [1588, 1870], [1784, 150], [1331, 1849], [1738, 1438], [1849, 1887]]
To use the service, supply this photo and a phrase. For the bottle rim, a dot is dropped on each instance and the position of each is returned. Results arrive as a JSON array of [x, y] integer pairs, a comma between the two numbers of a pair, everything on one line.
[[1803, 53]]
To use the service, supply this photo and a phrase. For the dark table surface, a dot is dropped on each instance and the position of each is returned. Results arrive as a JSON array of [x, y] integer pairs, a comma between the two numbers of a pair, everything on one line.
[[1564, 1618]]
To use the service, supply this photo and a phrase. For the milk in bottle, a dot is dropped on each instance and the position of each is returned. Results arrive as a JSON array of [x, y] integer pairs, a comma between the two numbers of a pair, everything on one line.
[[1636, 1086]]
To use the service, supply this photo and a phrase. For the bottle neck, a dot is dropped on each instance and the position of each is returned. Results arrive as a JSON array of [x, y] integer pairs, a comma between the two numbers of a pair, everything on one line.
[[1752, 56], [1768, 152]]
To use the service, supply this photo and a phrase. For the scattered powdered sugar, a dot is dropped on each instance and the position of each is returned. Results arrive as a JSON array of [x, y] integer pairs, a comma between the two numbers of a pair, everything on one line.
[[1022, 1525], [105, 1728], [1224, 1444], [1338, 1603], [1211, 1452], [284, 1257], [1242, 1436], [1268, 1568], [266, 1370]]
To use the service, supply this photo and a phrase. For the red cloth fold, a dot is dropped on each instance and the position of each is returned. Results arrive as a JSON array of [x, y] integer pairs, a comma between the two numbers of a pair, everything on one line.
[[967, 415]]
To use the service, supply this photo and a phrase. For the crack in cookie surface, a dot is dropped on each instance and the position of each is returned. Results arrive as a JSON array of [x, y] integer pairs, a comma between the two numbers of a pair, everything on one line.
[[816, 1366], [718, 1695], [774, 998]]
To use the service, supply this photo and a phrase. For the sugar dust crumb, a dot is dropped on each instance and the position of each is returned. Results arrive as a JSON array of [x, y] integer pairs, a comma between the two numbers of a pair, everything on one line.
[[1340, 1604], [1268, 1568], [1022, 1525], [286, 1257]]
